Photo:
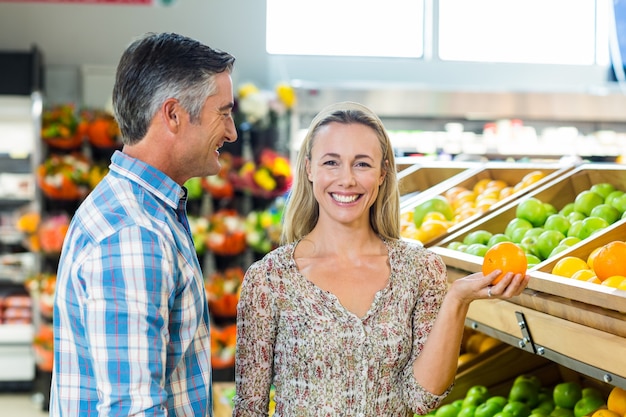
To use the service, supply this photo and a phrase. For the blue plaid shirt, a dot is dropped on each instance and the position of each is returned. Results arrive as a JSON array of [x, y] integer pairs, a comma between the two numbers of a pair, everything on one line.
[[131, 320]]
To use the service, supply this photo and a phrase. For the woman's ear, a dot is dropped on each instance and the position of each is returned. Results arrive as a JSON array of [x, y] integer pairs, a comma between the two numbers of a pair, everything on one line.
[[307, 164]]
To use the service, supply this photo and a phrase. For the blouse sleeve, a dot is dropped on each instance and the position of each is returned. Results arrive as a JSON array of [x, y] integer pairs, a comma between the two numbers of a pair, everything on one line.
[[256, 333], [431, 280]]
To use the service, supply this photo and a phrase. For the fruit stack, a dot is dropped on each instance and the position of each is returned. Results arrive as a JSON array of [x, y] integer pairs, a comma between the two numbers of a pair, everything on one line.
[[433, 217], [551, 221], [528, 397]]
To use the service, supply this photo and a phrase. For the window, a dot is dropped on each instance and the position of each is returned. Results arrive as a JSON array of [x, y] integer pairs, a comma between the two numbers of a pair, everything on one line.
[[371, 28], [519, 31]]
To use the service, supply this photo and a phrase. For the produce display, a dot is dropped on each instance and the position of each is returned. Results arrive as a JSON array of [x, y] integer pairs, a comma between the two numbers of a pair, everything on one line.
[[436, 216], [542, 231], [550, 221], [527, 396]]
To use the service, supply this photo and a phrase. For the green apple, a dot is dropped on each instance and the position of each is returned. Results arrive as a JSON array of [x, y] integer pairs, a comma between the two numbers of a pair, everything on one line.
[[609, 198], [516, 228], [558, 249], [587, 405], [533, 210], [557, 222], [550, 209], [477, 249], [592, 392], [498, 399], [535, 231], [517, 409], [455, 245], [592, 225], [458, 403], [438, 203], [525, 391], [467, 411], [619, 203], [574, 229], [488, 409], [562, 412], [570, 241], [545, 406], [586, 200], [567, 209], [547, 241], [479, 391], [477, 236], [497, 238], [532, 260], [567, 394], [447, 410], [529, 245], [603, 189], [607, 212], [575, 215]]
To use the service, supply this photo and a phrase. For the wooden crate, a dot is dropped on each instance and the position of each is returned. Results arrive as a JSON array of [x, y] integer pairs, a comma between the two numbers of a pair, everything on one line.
[[497, 368], [580, 302], [428, 179], [511, 173]]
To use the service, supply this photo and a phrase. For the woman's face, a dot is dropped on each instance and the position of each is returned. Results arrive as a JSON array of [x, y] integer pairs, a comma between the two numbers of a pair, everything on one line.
[[346, 172]]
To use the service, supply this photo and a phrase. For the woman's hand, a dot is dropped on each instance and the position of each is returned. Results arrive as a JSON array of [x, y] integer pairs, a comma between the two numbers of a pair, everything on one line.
[[478, 286]]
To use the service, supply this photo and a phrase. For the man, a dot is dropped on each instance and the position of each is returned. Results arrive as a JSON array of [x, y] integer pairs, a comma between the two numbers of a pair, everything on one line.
[[131, 319]]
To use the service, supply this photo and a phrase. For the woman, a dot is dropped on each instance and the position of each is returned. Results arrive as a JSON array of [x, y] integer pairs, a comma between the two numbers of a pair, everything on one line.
[[346, 319]]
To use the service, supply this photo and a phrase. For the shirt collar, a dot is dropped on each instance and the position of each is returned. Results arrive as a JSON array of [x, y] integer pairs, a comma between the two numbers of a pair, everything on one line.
[[148, 177]]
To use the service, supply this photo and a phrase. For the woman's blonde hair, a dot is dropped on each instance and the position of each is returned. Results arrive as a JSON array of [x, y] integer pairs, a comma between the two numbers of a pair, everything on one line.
[[302, 209]]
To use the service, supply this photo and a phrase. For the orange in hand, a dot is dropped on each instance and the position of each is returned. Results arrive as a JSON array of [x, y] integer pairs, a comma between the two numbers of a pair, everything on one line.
[[507, 257]]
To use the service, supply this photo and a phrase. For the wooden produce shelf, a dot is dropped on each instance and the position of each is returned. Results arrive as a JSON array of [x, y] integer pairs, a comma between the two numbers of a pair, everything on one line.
[[511, 173], [585, 349], [498, 367], [425, 180]]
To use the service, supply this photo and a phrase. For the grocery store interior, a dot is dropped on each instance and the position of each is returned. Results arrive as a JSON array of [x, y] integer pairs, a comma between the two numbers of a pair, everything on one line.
[[504, 129]]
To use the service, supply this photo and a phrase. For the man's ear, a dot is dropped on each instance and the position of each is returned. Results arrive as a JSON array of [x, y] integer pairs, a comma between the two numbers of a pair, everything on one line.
[[172, 114]]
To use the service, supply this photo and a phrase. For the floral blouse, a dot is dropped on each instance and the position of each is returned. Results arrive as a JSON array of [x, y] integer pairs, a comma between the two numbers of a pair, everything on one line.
[[322, 359]]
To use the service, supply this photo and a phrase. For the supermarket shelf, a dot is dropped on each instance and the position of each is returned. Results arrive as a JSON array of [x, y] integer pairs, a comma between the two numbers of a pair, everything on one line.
[[586, 349]]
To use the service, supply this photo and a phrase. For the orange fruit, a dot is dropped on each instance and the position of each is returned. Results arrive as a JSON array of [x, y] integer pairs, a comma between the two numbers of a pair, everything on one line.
[[481, 185], [594, 280], [603, 412], [434, 215], [568, 266], [531, 178], [583, 274], [507, 257], [466, 357], [614, 282], [488, 343], [616, 401], [474, 341], [451, 193], [505, 192], [609, 260], [592, 256], [433, 229]]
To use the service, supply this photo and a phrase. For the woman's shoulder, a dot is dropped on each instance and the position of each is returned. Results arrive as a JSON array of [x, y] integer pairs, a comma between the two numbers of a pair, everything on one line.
[[278, 258]]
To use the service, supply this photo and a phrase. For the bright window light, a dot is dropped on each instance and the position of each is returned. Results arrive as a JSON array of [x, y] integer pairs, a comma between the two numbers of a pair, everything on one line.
[[518, 31], [375, 28]]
